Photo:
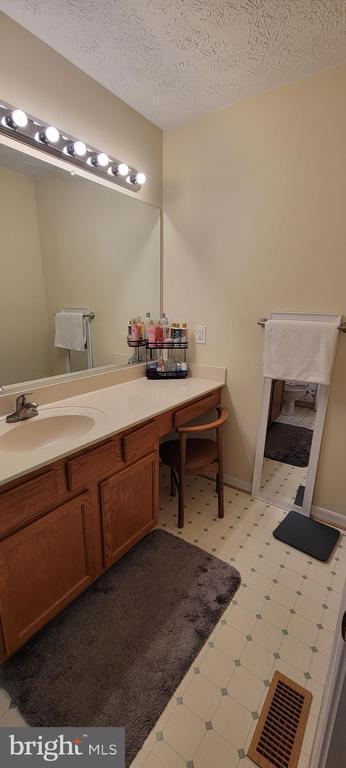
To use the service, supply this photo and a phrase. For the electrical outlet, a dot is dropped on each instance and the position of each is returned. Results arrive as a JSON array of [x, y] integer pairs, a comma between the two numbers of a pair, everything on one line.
[[201, 334]]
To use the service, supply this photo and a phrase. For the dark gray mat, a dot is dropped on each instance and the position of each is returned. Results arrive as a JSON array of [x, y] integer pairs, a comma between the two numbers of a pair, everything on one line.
[[307, 535], [288, 443], [116, 655]]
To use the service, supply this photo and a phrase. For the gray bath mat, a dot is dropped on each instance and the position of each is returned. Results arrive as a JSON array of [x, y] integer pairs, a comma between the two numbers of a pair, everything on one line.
[[288, 443], [115, 656]]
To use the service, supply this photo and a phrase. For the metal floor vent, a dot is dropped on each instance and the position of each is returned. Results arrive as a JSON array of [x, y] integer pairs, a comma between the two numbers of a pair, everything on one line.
[[278, 737]]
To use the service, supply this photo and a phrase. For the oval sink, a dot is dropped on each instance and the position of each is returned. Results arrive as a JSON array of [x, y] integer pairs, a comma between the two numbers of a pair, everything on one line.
[[43, 431]]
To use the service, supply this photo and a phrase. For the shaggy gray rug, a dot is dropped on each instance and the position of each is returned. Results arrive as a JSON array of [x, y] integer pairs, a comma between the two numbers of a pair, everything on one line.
[[288, 443], [115, 656]]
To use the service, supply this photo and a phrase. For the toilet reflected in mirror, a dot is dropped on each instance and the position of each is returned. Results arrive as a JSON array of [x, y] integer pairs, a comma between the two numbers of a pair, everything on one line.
[[287, 448]]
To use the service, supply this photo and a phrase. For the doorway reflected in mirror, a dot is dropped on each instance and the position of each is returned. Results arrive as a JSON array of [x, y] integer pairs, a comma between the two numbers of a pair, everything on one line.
[[290, 427]]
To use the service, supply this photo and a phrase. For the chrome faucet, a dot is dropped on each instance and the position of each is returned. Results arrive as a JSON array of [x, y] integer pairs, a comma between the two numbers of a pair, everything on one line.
[[24, 410]]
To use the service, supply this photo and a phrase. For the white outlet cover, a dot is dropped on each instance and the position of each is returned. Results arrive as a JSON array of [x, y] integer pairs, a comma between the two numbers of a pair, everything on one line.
[[201, 334]]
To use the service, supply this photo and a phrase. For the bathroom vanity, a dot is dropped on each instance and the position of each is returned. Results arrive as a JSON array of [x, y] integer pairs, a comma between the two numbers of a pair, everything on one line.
[[68, 513]]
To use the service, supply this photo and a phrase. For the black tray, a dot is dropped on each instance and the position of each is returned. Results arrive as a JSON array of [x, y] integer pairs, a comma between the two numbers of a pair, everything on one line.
[[153, 374]]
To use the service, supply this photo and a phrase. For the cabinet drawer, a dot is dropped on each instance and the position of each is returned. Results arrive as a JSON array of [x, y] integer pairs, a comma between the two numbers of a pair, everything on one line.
[[27, 501], [94, 465], [184, 415], [140, 442]]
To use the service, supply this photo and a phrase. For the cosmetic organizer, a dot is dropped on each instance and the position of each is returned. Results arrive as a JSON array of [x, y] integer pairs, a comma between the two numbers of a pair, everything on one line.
[[165, 347]]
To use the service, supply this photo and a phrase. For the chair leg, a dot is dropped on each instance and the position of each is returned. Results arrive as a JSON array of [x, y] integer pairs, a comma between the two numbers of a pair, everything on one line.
[[219, 476], [172, 483], [181, 503], [182, 458]]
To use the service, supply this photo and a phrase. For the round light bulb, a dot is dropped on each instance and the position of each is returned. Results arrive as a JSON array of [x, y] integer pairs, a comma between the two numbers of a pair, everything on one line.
[[79, 148], [102, 159], [19, 118], [140, 178], [123, 169], [52, 134]]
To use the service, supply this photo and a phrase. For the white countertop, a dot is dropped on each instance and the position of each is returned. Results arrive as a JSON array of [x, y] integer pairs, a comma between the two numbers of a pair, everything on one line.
[[116, 408]]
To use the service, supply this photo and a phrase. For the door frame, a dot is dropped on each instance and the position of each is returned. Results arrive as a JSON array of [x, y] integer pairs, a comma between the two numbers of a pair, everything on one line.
[[331, 695]]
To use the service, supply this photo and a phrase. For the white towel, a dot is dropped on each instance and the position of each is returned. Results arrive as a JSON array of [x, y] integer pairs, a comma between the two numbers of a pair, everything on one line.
[[299, 350], [70, 331]]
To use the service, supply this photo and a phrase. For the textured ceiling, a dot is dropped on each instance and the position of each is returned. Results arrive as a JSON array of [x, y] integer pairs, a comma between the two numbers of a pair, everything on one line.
[[174, 60]]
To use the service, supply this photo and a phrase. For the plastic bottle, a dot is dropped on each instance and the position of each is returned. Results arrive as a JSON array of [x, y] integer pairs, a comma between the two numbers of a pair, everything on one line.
[[185, 333], [159, 332], [146, 325], [134, 331], [152, 334]]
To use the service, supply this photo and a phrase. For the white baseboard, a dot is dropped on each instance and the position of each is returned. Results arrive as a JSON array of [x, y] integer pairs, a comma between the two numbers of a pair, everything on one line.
[[242, 485], [328, 516], [239, 485]]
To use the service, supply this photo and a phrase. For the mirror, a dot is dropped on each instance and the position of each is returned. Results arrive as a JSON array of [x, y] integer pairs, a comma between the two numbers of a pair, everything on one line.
[[287, 447], [288, 443], [72, 244]]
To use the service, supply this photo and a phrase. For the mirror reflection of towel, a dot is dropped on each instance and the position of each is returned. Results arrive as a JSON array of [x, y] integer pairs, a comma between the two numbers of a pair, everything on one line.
[[299, 350], [70, 331]]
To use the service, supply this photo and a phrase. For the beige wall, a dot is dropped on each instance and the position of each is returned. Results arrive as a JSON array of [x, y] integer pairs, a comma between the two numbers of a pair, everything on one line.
[[37, 79], [23, 310], [254, 199], [100, 249]]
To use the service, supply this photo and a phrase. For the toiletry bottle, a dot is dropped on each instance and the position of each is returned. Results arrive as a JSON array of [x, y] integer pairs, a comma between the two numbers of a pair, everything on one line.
[[152, 334], [159, 332], [176, 335], [146, 325], [185, 333], [134, 331]]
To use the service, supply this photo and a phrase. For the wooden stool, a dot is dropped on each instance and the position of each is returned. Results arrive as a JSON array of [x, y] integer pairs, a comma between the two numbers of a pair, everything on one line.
[[191, 456]]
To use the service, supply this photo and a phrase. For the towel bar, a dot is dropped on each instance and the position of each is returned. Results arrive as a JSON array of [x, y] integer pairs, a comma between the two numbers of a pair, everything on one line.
[[262, 322]]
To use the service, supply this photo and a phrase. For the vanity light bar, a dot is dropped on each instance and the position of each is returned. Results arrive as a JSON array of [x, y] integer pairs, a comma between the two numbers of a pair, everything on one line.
[[29, 130]]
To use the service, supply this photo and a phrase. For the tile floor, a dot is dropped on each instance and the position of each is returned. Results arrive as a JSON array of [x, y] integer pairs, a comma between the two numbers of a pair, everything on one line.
[[283, 617], [303, 417], [281, 480]]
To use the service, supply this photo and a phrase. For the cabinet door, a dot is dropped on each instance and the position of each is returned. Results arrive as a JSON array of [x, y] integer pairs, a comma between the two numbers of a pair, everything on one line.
[[129, 506], [42, 568], [276, 396]]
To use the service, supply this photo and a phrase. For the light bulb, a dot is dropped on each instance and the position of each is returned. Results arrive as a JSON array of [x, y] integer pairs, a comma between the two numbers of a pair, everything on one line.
[[52, 134], [79, 148], [123, 169], [19, 118], [140, 178], [102, 160]]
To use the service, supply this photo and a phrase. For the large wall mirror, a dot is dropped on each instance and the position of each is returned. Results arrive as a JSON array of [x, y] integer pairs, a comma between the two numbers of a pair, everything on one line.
[[289, 436], [70, 244]]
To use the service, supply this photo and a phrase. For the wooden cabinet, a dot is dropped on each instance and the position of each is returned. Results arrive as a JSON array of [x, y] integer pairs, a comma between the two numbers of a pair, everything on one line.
[[64, 524], [42, 568], [276, 396], [129, 506]]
